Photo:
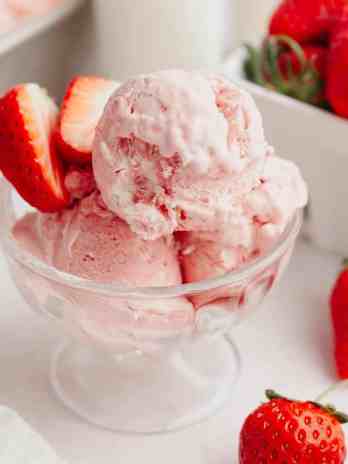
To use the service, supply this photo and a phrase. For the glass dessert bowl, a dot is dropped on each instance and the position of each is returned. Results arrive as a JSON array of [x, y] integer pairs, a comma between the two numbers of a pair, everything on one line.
[[138, 359]]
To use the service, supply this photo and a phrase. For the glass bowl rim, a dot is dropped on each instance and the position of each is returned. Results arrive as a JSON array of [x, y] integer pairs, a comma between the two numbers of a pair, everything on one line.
[[13, 250]]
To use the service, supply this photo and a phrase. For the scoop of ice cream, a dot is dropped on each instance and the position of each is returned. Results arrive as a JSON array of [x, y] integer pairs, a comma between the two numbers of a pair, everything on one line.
[[257, 225], [91, 242], [281, 191], [176, 150]]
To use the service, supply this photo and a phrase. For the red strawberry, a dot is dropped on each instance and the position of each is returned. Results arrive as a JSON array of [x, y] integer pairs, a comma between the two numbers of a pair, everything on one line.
[[315, 54], [284, 431], [81, 110], [339, 315], [307, 20], [28, 159], [337, 81]]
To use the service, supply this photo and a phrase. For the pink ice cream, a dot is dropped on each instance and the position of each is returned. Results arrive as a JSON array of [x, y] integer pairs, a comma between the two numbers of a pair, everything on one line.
[[185, 152], [12, 12], [91, 242], [176, 151], [183, 188], [261, 220], [80, 182]]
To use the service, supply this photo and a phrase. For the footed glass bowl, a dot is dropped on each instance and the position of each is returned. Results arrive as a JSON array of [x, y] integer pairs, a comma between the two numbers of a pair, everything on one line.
[[141, 359]]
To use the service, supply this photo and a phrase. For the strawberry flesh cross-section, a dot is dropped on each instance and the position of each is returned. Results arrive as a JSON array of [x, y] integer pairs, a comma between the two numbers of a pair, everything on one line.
[[82, 107], [28, 159]]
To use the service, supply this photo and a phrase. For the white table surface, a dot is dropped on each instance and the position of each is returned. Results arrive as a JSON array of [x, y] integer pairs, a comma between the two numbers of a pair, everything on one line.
[[285, 345]]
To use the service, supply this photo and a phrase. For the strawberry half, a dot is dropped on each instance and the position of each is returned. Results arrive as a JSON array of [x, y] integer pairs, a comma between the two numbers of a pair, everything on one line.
[[28, 117], [82, 107]]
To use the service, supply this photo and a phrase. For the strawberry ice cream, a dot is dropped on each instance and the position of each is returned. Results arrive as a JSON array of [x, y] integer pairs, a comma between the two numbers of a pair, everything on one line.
[[176, 151], [80, 182], [182, 186], [91, 242], [144, 198], [262, 217], [186, 153]]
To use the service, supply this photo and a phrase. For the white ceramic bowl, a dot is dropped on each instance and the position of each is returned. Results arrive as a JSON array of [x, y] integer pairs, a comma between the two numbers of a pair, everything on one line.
[[38, 49], [317, 141]]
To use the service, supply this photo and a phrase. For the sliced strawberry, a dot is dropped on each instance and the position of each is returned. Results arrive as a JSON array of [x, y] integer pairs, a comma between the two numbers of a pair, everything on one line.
[[28, 117], [82, 108]]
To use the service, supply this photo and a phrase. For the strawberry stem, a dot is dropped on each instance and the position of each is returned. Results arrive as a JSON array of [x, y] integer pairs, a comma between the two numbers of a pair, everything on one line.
[[293, 46], [263, 68], [341, 417], [272, 395], [252, 66]]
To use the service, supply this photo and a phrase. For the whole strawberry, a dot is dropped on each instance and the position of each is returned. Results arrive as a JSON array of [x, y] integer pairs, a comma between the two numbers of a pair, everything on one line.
[[28, 158], [339, 315], [285, 431], [337, 82]]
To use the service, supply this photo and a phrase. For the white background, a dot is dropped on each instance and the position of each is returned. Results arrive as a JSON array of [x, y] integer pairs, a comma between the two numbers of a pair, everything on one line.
[[120, 38], [252, 18]]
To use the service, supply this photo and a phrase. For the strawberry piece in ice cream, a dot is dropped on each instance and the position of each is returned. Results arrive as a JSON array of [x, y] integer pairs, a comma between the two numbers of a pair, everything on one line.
[[171, 149], [80, 182]]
